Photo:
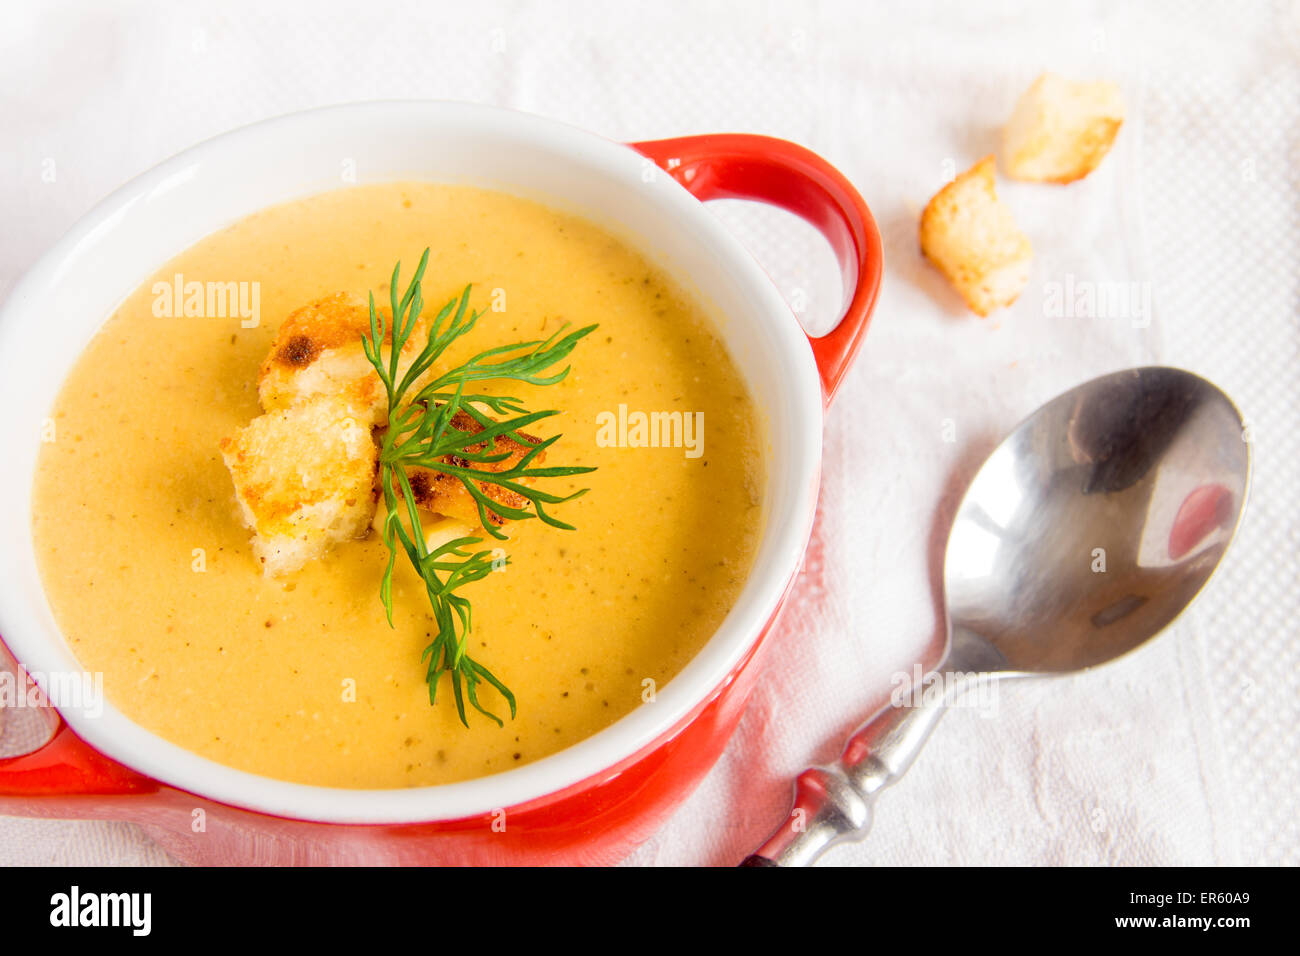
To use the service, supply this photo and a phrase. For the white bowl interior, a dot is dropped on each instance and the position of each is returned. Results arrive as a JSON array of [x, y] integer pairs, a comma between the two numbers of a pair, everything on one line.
[[64, 299]]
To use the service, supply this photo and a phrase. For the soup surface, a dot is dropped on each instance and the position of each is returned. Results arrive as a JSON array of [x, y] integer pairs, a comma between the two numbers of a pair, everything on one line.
[[148, 566]]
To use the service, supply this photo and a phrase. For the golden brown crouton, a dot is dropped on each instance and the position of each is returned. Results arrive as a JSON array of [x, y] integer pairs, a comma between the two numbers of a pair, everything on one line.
[[1061, 130], [445, 494], [317, 351], [975, 242], [304, 478]]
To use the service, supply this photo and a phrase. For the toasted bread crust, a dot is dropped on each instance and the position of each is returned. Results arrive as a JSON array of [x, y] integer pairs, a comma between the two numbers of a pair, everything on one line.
[[318, 351], [304, 479], [1061, 130], [974, 240], [337, 319], [446, 495]]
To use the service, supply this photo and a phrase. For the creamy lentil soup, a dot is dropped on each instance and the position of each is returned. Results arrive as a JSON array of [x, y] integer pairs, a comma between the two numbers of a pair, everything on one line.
[[148, 567]]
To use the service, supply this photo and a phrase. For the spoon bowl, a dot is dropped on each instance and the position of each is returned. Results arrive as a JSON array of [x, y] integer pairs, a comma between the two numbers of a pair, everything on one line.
[[1095, 524], [1083, 535]]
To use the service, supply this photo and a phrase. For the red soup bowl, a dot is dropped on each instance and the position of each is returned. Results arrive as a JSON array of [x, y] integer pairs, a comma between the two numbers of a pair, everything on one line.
[[595, 801]]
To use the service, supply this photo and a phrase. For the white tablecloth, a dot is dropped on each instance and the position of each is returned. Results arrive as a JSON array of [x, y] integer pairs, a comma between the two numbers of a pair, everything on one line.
[[1183, 753]]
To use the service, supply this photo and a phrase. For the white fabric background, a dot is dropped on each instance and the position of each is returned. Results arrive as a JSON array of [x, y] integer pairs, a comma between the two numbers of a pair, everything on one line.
[[1183, 753]]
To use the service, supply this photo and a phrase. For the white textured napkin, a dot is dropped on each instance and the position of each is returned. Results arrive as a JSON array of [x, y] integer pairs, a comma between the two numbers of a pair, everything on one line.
[[1185, 752]]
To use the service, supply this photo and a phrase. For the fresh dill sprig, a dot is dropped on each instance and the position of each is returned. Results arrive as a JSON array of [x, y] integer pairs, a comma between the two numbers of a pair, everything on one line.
[[422, 434]]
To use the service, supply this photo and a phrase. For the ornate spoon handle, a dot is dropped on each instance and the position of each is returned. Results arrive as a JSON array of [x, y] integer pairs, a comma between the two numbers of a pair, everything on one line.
[[833, 804]]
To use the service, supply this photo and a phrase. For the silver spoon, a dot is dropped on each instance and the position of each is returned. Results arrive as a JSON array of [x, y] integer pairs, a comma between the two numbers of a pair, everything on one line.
[[1083, 535]]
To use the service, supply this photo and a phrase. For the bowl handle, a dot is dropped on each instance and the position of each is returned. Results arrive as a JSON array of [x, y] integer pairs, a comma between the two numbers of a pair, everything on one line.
[[743, 166], [65, 765]]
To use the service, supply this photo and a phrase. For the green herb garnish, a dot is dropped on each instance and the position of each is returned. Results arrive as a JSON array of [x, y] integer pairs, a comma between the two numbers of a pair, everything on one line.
[[421, 434]]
